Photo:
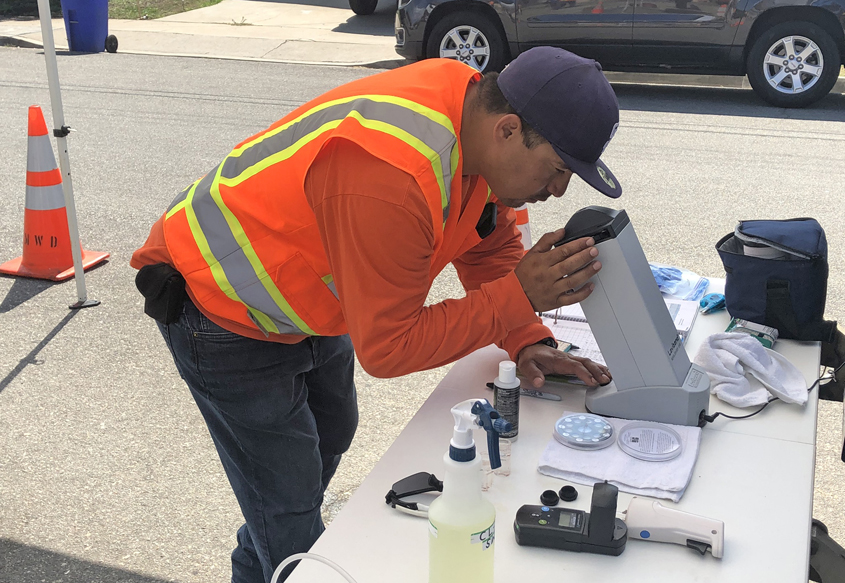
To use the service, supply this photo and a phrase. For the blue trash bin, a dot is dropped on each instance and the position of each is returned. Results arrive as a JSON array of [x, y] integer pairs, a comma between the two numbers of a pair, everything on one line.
[[86, 24]]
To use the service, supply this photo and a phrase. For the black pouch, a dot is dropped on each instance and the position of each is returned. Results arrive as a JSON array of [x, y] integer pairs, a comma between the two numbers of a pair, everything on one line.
[[777, 276], [163, 289], [487, 222]]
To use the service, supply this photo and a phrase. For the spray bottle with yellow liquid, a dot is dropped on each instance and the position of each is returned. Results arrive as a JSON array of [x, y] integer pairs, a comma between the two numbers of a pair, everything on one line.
[[462, 524]]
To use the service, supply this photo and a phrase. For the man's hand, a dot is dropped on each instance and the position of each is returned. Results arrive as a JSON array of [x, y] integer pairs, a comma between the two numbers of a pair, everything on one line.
[[558, 276], [537, 360]]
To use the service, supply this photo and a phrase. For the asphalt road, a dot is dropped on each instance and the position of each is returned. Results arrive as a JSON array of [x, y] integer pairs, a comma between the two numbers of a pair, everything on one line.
[[107, 472]]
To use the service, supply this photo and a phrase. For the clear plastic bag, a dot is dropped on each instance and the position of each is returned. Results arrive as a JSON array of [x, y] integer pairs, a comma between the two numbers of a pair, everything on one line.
[[679, 282]]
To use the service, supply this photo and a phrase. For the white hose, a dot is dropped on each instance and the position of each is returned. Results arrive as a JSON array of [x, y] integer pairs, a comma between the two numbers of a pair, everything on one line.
[[277, 573]]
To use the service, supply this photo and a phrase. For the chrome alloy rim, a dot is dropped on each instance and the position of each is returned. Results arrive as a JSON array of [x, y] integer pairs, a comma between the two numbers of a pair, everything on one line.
[[793, 64], [466, 44]]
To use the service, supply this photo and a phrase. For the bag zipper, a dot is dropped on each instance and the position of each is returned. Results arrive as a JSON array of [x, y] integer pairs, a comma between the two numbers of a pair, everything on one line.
[[744, 237]]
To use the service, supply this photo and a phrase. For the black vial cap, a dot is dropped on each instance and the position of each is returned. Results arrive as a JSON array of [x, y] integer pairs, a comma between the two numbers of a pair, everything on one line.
[[549, 498], [568, 493]]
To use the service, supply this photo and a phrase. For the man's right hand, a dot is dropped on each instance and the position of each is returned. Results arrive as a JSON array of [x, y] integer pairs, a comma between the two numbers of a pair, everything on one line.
[[558, 276]]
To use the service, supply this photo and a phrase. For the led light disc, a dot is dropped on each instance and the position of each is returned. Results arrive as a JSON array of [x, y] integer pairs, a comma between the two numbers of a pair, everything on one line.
[[584, 431]]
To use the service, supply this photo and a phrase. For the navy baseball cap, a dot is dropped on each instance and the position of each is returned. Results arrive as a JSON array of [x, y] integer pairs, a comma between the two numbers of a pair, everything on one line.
[[568, 100]]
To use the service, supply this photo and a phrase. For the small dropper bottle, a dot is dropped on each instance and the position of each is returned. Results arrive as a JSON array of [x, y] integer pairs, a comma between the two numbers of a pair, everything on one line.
[[506, 397]]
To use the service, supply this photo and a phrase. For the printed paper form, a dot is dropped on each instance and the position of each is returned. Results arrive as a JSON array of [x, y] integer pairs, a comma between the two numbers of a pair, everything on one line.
[[683, 314], [579, 334]]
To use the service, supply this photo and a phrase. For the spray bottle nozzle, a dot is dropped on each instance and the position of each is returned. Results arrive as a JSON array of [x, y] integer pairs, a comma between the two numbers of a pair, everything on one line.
[[493, 423], [476, 413]]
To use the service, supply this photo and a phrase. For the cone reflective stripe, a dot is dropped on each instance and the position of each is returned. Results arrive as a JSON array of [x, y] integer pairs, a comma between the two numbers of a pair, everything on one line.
[[46, 240], [43, 177], [523, 226]]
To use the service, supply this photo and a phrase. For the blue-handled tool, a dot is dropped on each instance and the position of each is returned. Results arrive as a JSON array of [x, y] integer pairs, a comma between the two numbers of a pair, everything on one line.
[[712, 303]]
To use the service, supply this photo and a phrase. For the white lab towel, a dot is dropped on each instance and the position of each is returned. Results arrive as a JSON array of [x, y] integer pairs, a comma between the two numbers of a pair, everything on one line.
[[667, 479], [729, 357]]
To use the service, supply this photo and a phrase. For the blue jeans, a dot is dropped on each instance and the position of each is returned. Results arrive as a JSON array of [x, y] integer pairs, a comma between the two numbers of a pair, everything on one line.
[[280, 416]]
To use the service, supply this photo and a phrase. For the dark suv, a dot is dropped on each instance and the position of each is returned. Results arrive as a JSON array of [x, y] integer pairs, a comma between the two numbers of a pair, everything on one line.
[[791, 50]]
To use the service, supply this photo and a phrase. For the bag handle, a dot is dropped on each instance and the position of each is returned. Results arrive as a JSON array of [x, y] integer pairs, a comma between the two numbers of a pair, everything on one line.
[[781, 315]]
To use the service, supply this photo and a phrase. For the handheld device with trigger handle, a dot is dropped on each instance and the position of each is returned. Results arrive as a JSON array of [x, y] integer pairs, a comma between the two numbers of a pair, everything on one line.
[[650, 520]]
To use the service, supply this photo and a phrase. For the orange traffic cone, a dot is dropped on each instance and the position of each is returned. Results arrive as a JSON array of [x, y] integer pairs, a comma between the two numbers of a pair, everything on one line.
[[523, 226], [46, 239]]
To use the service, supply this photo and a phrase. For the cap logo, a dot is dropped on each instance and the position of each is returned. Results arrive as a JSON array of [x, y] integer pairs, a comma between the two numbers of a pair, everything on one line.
[[608, 180], [607, 143]]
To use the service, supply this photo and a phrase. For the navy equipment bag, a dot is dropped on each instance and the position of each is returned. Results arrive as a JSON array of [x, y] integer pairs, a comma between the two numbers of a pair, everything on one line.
[[777, 276]]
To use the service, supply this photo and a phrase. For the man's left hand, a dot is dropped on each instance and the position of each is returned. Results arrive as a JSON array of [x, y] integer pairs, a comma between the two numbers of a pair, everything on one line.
[[537, 360]]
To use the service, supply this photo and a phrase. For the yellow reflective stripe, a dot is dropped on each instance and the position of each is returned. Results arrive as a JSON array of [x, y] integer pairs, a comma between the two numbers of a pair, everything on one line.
[[435, 116], [489, 192], [178, 207], [412, 141], [236, 230], [454, 159], [215, 267], [260, 272], [327, 279], [279, 156], [216, 270], [263, 319]]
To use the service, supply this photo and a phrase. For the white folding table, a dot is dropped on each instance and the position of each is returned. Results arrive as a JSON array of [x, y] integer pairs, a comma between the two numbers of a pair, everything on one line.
[[756, 475]]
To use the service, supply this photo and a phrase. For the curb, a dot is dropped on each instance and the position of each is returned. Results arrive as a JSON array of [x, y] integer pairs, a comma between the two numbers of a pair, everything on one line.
[[662, 79], [15, 41], [388, 64], [382, 64], [701, 81]]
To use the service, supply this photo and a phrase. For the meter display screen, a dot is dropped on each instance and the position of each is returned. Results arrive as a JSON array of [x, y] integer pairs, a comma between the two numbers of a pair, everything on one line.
[[567, 519]]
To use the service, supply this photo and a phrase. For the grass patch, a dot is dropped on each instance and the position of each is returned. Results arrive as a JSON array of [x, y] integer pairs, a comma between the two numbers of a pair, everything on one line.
[[125, 9], [135, 9], [27, 8]]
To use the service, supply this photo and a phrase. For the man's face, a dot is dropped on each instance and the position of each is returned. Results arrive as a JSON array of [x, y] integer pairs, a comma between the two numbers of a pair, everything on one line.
[[525, 175]]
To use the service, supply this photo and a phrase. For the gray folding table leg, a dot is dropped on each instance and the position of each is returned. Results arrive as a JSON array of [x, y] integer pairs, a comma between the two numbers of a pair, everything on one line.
[[827, 557]]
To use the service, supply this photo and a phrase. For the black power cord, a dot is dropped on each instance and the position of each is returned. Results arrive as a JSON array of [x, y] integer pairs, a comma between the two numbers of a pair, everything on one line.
[[703, 419]]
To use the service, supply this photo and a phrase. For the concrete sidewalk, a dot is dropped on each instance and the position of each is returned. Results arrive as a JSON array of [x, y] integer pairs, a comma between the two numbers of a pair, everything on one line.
[[306, 32], [313, 32]]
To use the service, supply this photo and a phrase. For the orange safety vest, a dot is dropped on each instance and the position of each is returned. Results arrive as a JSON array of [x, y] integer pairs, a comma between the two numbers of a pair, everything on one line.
[[244, 236]]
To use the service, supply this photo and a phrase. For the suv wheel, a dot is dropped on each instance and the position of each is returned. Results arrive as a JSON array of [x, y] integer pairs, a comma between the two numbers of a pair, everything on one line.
[[793, 64], [471, 38], [363, 7]]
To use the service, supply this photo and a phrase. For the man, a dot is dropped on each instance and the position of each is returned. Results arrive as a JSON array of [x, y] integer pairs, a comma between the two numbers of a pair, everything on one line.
[[326, 231]]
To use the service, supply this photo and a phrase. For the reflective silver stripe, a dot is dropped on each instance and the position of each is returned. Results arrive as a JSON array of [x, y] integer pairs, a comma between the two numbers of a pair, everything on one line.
[[226, 247], [179, 198], [232, 259], [258, 324], [44, 198], [39, 154], [434, 135]]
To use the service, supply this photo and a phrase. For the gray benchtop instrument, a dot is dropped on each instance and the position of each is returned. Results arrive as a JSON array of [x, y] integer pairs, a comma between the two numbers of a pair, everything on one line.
[[653, 378]]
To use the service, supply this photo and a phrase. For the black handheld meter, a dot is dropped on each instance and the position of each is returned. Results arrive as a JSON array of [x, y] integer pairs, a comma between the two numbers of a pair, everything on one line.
[[598, 531]]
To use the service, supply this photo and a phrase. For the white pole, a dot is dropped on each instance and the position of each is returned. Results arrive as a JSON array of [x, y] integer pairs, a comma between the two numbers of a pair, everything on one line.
[[60, 133]]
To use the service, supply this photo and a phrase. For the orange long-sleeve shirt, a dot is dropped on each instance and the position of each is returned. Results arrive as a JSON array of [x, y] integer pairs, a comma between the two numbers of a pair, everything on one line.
[[376, 230]]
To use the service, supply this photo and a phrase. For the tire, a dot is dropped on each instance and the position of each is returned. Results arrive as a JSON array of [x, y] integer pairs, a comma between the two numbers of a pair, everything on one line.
[[469, 37], [111, 43], [363, 7], [786, 82]]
